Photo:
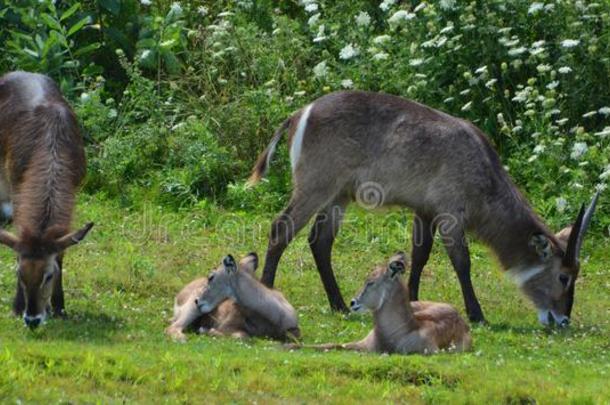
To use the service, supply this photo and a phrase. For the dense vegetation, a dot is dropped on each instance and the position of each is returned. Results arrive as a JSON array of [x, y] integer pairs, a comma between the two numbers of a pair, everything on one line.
[[176, 99]]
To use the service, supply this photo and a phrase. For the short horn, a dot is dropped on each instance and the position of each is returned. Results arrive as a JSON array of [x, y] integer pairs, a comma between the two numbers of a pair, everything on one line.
[[73, 238], [578, 232], [8, 239]]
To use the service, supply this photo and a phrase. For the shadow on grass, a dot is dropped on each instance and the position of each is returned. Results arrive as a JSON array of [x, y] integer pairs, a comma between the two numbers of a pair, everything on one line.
[[81, 326]]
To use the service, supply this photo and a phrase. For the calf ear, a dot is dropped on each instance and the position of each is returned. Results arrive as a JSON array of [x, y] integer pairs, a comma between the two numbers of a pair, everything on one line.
[[73, 238], [541, 245], [249, 263], [8, 239], [397, 264], [229, 263]]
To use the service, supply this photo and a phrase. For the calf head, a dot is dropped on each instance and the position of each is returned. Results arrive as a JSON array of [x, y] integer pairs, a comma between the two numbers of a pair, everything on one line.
[[378, 284], [38, 268]]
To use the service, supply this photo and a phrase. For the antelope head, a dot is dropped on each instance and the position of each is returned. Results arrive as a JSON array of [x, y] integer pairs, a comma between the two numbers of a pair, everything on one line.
[[38, 268], [550, 284], [222, 280], [378, 285]]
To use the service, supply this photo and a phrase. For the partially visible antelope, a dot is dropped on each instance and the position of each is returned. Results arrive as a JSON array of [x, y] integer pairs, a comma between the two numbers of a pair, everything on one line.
[[402, 326], [266, 312], [356, 144], [42, 164], [225, 319]]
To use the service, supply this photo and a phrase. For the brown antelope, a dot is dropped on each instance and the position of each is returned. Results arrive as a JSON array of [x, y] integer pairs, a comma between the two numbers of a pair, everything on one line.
[[266, 311], [42, 164], [385, 150], [226, 319], [402, 326]]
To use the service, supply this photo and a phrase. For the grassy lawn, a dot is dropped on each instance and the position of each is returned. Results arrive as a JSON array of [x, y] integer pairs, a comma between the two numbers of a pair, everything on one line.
[[121, 281]]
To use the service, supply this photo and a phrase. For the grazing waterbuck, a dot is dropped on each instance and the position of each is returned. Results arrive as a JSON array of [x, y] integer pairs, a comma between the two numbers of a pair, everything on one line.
[[402, 326], [384, 150], [266, 311], [42, 163]]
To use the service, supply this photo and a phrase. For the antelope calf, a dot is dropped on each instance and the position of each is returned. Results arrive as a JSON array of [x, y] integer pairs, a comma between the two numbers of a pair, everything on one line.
[[384, 150], [401, 326], [232, 302], [42, 163], [225, 319]]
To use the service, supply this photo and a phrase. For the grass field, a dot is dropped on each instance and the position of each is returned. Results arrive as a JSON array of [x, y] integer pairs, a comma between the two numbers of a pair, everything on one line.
[[121, 281]]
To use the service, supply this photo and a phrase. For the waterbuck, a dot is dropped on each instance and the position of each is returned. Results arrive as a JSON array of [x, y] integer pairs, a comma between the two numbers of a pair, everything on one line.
[[42, 164], [402, 326], [225, 319], [384, 150], [266, 312]]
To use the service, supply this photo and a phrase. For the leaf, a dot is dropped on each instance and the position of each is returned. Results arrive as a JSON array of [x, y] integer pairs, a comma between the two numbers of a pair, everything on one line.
[[69, 12], [31, 52], [78, 26], [50, 21], [87, 48], [114, 6]]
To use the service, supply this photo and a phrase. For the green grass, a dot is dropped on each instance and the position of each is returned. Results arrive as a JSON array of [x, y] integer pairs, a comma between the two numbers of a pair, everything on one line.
[[121, 281]]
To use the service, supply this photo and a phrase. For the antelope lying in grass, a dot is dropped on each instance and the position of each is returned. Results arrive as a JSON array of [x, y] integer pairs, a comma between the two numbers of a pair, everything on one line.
[[385, 150], [42, 164], [232, 302], [402, 326]]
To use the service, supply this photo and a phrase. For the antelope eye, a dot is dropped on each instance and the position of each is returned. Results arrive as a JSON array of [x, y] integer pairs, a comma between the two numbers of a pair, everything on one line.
[[210, 278], [564, 279], [370, 283], [47, 277]]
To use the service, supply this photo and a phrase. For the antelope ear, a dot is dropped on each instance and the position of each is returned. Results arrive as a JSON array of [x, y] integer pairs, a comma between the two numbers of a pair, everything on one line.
[[563, 235], [229, 263], [542, 245], [249, 263], [73, 238], [397, 264], [8, 239]]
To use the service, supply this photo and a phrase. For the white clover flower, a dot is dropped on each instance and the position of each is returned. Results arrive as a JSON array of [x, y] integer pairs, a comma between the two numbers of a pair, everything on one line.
[[320, 70], [386, 4], [314, 19], [348, 52], [605, 111], [578, 150], [570, 43], [347, 84], [202, 11], [535, 7], [400, 16], [112, 113], [176, 8], [311, 7], [416, 62], [381, 39], [381, 56], [447, 4], [561, 204], [517, 51], [363, 19], [145, 2], [564, 70]]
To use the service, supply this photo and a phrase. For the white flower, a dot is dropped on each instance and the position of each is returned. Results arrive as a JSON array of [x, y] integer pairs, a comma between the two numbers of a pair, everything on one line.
[[84, 97], [400, 16], [538, 44], [386, 4], [490, 83], [564, 70], [112, 113], [601, 187], [347, 83], [552, 85], [348, 52], [363, 19], [589, 114], [420, 7], [313, 20], [381, 39], [145, 2], [481, 70], [562, 121], [320, 35], [543, 68], [145, 54], [311, 7], [381, 56], [300, 93], [467, 106], [176, 8], [416, 62], [202, 10], [604, 132], [570, 43], [539, 148], [517, 51], [535, 7], [561, 204], [447, 4], [604, 111], [320, 70], [605, 174], [578, 150]]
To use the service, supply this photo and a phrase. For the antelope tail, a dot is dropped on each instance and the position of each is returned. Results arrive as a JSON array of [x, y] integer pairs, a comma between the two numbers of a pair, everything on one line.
[[262, 163]]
